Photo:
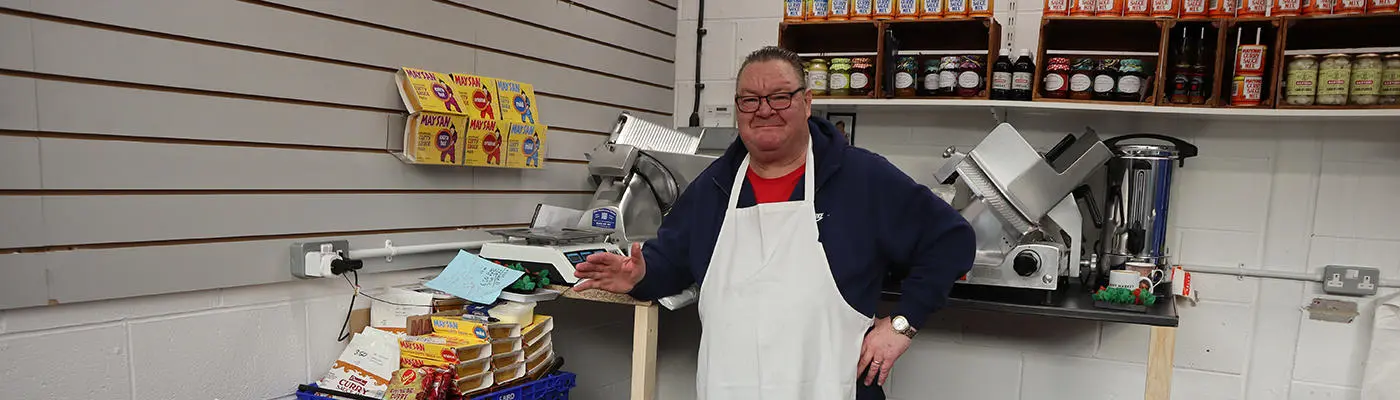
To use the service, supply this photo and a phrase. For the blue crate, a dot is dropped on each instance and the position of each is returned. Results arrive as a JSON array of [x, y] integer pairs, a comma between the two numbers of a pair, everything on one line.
[[551, 387]]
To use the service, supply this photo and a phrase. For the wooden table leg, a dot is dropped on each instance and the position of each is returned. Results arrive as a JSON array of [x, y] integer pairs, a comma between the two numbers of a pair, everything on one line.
[[644, 352], [1160, 353]]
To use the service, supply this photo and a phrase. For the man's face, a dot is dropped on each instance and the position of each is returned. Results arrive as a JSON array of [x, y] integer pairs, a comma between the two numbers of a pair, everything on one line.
[[765, 129]]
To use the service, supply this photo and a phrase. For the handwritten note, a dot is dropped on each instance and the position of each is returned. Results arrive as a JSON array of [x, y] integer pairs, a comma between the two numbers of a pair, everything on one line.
[[474, 279]]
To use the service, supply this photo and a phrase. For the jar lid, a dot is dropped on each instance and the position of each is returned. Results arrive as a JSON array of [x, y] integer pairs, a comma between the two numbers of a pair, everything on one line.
[[1131, 65], [1304, 56], [1083, 64], [860, 60], [1396, 56], [950, 59], [1368, 55], [840, 61], [1059, 60], [1163, 151], [818, 60], [1337, 55]]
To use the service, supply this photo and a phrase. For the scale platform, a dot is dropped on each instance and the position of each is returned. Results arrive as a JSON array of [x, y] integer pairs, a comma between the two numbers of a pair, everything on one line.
[[554, 250]]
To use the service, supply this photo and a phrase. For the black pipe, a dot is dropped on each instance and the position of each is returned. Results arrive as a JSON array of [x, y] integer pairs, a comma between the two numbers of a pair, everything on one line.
[[699, 40]]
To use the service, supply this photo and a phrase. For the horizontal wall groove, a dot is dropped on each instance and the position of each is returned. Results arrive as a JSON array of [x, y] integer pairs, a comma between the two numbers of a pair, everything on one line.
[[224, 143], [595, 102], [663, 4], [249, 238], [563, 32], [619, 18], [368, 24], [237, 192]]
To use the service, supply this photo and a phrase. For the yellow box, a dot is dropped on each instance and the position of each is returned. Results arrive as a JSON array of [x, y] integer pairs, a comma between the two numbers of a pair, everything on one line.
[[480, 93], [433, 138], [485, 143], [440, 348], [429, 91], [517, 101], [525, 145]]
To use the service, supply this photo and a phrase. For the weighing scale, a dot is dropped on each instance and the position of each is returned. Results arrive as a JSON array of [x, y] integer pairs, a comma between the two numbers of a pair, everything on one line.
[[550, 249]]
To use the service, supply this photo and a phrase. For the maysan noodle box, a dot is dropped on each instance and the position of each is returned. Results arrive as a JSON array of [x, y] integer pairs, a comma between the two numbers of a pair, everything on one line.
[[435, 138], [480, 92], [428, 91], [517, 101], [485, 143], [525, 145]]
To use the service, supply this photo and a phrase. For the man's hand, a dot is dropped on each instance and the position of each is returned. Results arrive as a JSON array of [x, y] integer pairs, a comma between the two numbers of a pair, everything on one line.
[[611, 272], [881, 348]]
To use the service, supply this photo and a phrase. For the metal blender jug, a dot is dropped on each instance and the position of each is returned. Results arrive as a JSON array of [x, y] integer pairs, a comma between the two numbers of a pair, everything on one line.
[[1137, 199]]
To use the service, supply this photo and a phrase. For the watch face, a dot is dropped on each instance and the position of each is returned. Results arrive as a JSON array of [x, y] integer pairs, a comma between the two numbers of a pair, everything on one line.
[[900, 324]]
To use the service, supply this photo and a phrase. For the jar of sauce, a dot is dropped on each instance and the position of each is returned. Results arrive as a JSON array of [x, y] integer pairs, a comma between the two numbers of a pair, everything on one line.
[[948, 75], [862, 73], [1106, 79], [972, 77], [1081, 79], [839, 77], [1130, 79], [1302, 80], [1366, 79], [816, 77], [1333, 80], [1056, 80], [906, 73], [928, 86], [1390, 80]]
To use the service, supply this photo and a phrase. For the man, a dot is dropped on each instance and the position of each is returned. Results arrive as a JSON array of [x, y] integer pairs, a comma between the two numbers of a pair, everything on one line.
[[789, 235]]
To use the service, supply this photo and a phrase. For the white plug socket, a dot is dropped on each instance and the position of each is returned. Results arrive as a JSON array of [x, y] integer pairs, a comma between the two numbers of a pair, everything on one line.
[[313, 259]]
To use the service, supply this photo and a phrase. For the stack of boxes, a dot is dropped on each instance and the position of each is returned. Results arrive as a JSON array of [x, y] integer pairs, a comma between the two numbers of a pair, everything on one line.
[[480, 355], [539, 346], [468, 120]]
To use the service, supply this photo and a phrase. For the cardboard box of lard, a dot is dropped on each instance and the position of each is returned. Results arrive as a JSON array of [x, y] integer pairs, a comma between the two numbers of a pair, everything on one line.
[[485, 143], [480, 91], [433, 138], [517, 101], [428, 91], [525, 145]]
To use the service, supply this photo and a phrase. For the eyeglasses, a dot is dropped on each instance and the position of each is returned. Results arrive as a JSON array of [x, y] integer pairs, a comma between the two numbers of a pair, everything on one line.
[[776, 101]]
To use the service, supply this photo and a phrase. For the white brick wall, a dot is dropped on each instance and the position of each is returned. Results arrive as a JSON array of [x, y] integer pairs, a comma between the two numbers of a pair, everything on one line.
[[1273, 195]]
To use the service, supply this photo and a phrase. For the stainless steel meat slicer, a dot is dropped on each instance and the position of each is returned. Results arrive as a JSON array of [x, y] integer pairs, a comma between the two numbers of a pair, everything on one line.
[[640, 171], [1022, 207]]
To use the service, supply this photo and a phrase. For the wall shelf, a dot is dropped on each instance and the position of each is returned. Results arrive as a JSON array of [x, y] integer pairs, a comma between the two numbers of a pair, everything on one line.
[[914, 105]]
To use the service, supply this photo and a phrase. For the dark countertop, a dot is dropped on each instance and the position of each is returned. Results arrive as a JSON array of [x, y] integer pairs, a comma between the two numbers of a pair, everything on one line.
[[1072, 302]]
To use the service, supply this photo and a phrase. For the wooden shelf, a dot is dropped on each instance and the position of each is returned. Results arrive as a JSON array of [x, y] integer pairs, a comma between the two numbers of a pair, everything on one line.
[[951, 104]]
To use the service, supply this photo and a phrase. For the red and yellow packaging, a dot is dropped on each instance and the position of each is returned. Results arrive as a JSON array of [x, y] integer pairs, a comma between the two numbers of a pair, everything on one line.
[[840, 10], [1166, 8], [1137, 8], [428, 91], [517, 101], [955, 9], [1249, 59], [933, 9], [1253, 8], [484, 144], [861, 10], [1195, 9], [793, 10], [432, 138], [446, 349], [1286, 8], [1382, 6], [480, 93], [980, 8], [1109, 8], [1350, 7], [1084, 8], [906, 9], [884, 9], [1055, 7], [817, 10], [1224, 8], [1318, 7], [525, 146]]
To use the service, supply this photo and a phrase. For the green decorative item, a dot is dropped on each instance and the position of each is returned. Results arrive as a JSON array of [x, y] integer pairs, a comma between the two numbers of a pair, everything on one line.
[[1124, 297], [527, 283]]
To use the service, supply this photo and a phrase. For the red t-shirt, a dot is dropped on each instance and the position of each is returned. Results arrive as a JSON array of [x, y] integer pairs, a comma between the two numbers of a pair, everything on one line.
[[774, 190]]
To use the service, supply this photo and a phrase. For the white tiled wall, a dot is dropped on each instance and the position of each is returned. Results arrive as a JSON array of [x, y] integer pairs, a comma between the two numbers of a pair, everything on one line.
[[1278, 195]]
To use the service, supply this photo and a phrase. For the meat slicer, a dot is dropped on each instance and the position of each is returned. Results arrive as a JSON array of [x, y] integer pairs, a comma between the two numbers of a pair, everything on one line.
[[641, 170], [1022, 207]]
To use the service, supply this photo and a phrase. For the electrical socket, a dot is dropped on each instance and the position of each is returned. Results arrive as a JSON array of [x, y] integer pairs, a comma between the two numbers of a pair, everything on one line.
[[306, 257], [1350, 280]]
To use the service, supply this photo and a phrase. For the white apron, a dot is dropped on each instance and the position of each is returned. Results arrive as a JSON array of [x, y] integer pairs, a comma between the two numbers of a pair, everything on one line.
[[1382, 378], [775, 326]]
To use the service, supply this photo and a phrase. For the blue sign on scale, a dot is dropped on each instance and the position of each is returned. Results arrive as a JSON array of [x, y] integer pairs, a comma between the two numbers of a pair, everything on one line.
[[605, 218]]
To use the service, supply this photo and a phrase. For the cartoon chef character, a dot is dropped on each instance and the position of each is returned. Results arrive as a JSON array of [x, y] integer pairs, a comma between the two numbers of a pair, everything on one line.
[[491, 144], [447, 143], [531, 148], [481, 99], [522, 105], [444, 92]]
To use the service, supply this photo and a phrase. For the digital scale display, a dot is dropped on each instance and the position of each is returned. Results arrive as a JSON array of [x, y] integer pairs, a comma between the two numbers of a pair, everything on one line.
[[580, 256]]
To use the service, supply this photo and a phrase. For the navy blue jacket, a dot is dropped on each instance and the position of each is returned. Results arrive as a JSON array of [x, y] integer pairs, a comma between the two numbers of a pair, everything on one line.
[[874, 217]]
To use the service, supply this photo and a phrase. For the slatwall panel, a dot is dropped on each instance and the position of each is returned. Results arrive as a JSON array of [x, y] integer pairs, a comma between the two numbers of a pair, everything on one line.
[[148, 143]]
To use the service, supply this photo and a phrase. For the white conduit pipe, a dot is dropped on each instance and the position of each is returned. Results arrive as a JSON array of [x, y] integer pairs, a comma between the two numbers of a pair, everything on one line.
[[1255, 273], [389, 250]]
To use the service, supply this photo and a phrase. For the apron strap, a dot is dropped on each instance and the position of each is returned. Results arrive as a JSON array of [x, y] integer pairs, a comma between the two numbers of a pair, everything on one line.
[[808, 179]]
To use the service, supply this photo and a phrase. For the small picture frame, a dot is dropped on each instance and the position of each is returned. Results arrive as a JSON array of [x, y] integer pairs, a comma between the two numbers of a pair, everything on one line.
[[846, 123]]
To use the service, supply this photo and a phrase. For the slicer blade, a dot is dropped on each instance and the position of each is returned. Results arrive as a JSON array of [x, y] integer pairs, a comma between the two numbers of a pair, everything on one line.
[[979, 183]]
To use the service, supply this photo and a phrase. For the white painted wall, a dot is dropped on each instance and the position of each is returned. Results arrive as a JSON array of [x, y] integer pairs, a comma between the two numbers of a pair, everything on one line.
[[1275, 195]]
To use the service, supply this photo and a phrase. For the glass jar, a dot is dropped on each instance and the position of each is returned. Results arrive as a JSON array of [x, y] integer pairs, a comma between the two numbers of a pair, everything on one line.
[[1334, 80], [906, 72], [948, 75], [1302, 80], [1081, 79], [972, 80], [1390, 80], [1106, 79], [839, 77], [1130, 79], [1366, 79], [928, 86], [862, 71], [816, 77], [1056, 81]]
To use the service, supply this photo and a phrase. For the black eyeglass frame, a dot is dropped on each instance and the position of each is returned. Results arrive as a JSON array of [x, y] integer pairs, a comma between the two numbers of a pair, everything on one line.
[[739, 100]]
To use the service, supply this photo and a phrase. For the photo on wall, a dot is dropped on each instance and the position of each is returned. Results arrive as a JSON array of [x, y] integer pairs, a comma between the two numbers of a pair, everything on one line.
[[846, 123]]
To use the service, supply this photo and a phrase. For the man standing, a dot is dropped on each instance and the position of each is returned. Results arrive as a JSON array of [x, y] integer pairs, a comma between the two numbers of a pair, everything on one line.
[[789, 235]]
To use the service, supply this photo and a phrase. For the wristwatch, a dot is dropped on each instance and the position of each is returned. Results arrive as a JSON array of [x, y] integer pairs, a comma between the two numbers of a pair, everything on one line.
[[901, 326]]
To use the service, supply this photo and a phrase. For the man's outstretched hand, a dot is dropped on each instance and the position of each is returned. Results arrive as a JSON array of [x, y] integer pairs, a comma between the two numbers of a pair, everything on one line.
[[612, 272]]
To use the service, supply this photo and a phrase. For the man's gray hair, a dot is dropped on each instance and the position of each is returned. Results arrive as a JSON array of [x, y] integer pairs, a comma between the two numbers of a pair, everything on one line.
[[771, 53]]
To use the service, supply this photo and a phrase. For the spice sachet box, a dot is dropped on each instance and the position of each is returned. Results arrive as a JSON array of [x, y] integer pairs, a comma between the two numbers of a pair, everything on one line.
[[525, 145], [428, 91], [480, 93], [434, 138], [517, 101], [485, 143]]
